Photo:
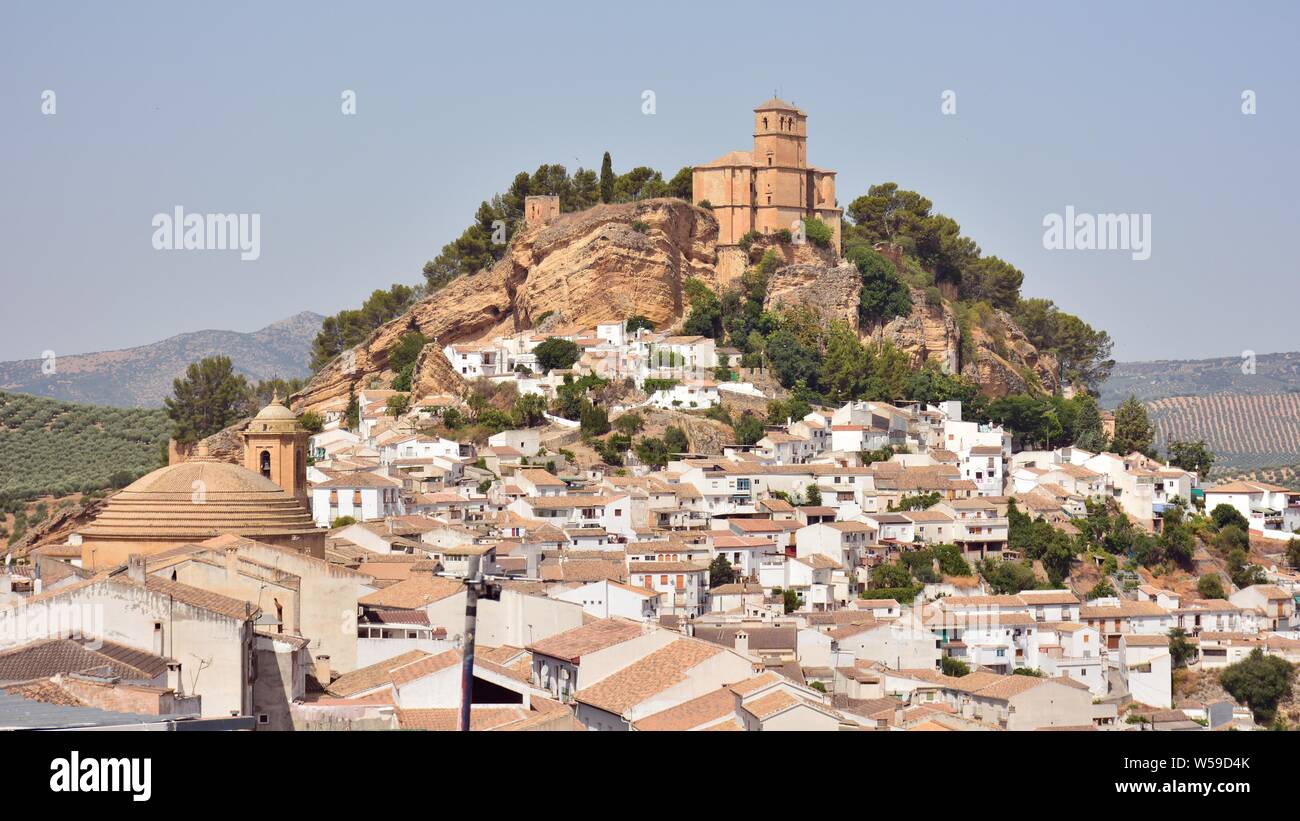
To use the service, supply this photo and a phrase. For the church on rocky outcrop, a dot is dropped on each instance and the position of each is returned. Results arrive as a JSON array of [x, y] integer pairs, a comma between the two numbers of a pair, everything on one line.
[[200, 496], [772, 187]]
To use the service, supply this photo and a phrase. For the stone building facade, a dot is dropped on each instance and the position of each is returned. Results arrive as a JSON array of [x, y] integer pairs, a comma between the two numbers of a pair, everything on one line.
[[771, 187]]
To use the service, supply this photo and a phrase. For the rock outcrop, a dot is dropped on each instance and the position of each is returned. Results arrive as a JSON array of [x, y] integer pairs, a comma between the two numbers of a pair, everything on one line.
[[611, 261], [614, 261]]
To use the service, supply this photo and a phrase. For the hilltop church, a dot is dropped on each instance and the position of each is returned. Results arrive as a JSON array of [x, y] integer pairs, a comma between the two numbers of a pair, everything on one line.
[[772, 187]]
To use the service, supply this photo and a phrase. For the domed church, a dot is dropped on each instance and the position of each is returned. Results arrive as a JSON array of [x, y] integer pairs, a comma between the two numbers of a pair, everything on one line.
[[202, 497]]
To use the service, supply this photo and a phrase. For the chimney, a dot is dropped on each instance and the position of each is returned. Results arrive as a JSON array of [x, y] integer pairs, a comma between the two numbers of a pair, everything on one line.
[[135, 567], [742, 642], [323, 670], [232, 564], [898, 716], [174, 677], [6, 583]]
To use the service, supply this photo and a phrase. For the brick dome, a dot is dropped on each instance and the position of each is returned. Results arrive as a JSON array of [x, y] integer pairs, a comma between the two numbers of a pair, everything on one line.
[[197, 500]]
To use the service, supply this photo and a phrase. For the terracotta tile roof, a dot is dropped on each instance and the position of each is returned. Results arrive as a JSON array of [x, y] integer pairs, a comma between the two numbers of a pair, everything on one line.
[[447, 719], [645, 678], [420, 590], [43, 659], [1125, 609], [760, 637], [423, 667], [572, 645], [372, 676], [358, 480], [1007, 687], [1040, 597], [754, 684], [202, 599], [1133, 640], [689, 715], [725, 726], [583, 570]]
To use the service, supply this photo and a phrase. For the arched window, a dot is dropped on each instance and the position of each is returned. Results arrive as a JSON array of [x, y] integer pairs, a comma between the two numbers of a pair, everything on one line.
[[264, 463]]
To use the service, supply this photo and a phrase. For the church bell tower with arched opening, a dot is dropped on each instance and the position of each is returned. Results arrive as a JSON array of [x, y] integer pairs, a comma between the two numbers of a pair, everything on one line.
[[275, 446]]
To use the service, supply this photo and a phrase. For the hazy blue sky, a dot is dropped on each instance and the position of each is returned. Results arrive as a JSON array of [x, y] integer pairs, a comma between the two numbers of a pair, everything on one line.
[[234, 107]]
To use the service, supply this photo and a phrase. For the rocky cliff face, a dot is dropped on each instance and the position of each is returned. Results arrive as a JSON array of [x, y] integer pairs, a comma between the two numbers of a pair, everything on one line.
[[614, 261], [608, 262]]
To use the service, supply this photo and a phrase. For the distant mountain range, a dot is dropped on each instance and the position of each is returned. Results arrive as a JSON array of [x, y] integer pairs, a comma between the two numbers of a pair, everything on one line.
[[1274, 373], [141, 377]]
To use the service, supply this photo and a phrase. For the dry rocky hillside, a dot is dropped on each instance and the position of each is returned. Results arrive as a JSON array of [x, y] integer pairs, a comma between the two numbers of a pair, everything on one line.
[[614, 261]]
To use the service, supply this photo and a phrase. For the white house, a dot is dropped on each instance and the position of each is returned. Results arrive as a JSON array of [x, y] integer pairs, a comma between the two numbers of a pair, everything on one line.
[[687, 394], [1147, 669], [607, 599], [527, 441], [1271, 510], [362, 495]]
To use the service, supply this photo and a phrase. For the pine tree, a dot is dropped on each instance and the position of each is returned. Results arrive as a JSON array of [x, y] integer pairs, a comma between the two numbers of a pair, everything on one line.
[[1133, 429], [210, 397]]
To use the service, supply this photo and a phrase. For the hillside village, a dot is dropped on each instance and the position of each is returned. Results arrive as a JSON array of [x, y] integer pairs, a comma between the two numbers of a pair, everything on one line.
[[596, 516]]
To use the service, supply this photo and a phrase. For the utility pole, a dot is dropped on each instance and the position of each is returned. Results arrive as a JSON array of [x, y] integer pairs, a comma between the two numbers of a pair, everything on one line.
[[473, 585], [477, 583]]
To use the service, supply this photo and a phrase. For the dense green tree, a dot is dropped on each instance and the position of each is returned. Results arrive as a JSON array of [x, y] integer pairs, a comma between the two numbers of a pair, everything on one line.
[[1210, 586], [607, 179], [209, 398], [630, 423], [637, 321], [1133, 430], [529, 411], [954, 667], [1008, 577], [1242, 571], [721, 572], [1193, 456], [311, 422], [350, 328], [556, 354], [992, 280], [1260, 682], [792, 361], [675, 440], [1087, 429], [883, 295], [747, 428], [398, 404], [846, 366], [813, 494], [705, 317], [890, 575], [779, 411], [818, 232], [1225, 515], [1103, 589], [1180, 649], [593, 419], [680, 186], [652, 451]]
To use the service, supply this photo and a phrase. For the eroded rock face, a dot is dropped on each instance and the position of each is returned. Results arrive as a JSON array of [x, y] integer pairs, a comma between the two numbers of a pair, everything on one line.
[[613, 261], [608, 262], [831, 290], [928, 333], [1006, 362]]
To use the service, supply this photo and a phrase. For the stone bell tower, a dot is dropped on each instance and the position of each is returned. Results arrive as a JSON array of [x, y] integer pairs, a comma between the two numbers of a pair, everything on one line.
[[275, 447]]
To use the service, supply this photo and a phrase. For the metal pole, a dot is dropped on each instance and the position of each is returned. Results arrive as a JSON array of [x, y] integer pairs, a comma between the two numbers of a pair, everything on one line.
[[472, 582]]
